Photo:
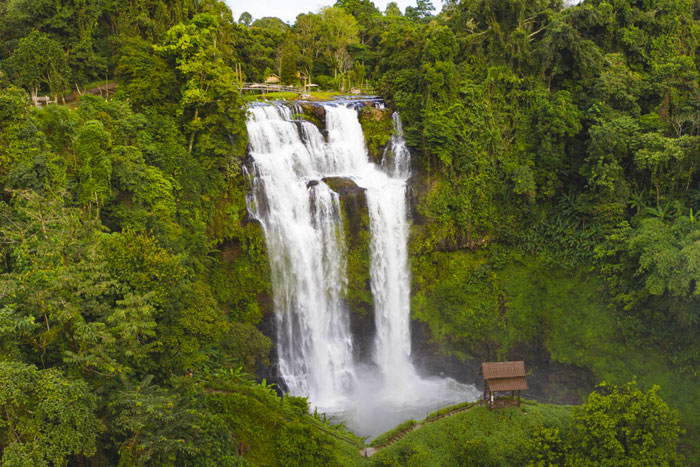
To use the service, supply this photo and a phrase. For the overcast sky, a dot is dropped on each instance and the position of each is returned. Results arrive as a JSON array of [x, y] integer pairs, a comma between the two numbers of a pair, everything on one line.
[[288, 10]]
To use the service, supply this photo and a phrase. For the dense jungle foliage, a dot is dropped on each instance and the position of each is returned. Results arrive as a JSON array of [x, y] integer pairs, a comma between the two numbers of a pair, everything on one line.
[[541, 435], [557, 152]]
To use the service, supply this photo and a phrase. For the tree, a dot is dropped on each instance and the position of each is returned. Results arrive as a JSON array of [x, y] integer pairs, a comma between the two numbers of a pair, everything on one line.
[[14, 112], [39, 59], [421, 12], [246, 19], [546, 448], [77, 26], [91, 145], [392, 9], [147, 79], [340, 31], [299, 445], [610, 149], [210, 98], [666, 162], [366, 14], [624, 426], [152, 424], [272, 24], [308, 32], [45, 418], [288, 71]]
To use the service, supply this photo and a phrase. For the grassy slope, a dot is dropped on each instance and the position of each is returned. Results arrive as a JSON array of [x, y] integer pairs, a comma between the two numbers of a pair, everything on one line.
[[583, 332], [566, 311], [497, 435], [348, 455]]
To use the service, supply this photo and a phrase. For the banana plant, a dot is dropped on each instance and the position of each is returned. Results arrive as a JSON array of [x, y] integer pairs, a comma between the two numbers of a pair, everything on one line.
[[662, 211]]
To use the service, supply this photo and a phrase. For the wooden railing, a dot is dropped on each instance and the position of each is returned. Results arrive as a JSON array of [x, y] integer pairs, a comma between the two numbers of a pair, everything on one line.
[[264, 88], [270, 88]]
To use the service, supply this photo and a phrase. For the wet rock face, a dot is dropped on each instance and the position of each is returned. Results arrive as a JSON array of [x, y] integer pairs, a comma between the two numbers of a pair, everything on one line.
[[429, 358], [377, 127], [369, 112], [345, 187], [315, 114], [245, 276], [353, 205], [363, 329], [271, 372], [556, 382]]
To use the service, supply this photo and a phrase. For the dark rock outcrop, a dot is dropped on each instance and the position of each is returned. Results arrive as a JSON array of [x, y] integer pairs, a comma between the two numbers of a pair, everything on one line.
[[345, 187], [355, 216], [353, 203], [547, 379], [315, 114], [377, 127], [430, 360]]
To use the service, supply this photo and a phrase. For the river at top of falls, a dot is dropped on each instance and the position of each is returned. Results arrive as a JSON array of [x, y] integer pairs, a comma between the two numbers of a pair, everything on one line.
[[300, 216]]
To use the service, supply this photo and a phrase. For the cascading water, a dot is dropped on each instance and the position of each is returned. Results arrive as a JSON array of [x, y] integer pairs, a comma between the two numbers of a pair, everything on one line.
[[390, 279], [303, 232], [397, 159], [301, 219]]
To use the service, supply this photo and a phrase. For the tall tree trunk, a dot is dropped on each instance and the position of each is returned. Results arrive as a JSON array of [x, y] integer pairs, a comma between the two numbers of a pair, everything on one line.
[[196, 115]]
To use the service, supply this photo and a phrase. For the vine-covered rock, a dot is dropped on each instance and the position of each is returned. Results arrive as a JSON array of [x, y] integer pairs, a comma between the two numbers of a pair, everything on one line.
[[377, 127], [355, 217]]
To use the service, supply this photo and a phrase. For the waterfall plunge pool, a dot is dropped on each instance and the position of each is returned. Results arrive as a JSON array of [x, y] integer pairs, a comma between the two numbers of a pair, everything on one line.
[[376, 406]]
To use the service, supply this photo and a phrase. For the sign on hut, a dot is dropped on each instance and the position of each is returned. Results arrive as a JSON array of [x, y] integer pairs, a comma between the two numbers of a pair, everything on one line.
[[501, 381]]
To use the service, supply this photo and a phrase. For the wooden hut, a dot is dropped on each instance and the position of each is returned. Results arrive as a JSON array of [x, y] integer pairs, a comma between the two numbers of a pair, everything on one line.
[[273, 79], [501, 381]]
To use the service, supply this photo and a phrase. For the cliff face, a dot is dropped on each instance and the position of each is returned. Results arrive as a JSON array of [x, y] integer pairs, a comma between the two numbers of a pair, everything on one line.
[[471, 297], [475, 298], [355, 218]]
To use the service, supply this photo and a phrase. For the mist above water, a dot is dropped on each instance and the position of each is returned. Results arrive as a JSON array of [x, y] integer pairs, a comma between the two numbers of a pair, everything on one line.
[[303, 228]]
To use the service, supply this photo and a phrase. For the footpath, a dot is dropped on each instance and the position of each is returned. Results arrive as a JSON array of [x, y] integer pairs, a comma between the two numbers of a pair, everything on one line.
[[369, 451]]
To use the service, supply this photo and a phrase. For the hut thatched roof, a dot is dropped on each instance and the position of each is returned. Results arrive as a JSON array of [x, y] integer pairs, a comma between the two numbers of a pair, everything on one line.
[[508, 384], [504, 376], [491, 370]]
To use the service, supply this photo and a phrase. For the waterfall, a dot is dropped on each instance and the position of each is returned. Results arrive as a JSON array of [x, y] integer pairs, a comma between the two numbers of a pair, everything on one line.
[[300, 216], [304, 237], [397, 159]]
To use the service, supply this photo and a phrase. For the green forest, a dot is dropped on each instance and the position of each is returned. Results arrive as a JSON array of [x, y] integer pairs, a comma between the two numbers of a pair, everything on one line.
[[556, 154]]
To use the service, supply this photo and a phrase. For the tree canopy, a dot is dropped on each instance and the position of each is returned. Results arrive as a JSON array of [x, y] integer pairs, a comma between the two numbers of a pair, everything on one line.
[[555, 198]]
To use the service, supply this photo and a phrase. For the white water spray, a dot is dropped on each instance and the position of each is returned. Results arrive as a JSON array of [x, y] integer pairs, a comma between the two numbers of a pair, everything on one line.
[[301, 219]]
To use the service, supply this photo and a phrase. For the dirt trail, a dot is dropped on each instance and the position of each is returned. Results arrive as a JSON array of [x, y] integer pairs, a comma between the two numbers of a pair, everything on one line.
[[369, 451]]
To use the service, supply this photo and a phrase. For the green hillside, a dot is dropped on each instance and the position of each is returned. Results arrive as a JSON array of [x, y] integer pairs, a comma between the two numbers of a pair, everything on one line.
[[555, 199]]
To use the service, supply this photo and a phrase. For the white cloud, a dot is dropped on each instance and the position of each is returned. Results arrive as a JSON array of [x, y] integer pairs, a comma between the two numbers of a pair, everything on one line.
[[288, 10]]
